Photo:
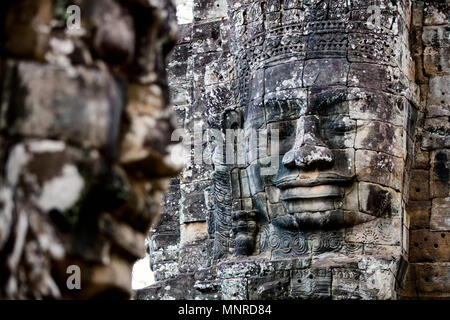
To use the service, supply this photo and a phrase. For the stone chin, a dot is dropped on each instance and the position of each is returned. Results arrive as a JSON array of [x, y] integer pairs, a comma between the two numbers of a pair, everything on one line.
[[309, 221]]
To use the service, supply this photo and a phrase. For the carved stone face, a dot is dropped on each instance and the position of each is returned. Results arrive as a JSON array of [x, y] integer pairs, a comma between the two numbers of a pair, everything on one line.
[[334, 142], [341, 109]]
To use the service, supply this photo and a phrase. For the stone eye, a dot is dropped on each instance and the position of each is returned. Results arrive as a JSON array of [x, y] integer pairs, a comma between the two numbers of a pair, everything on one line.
[[338, 126], [343, 128]]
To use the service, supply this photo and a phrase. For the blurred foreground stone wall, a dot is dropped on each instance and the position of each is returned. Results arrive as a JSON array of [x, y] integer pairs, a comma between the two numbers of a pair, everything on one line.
[[85, 142]]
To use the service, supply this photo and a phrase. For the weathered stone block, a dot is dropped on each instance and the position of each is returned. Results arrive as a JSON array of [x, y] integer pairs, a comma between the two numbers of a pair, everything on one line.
[[386, 231], [419, 212], [193, 205], [428, 246], [351, 202], [285, 105], [245, 186], [254, 179], [440, 173], [292, 16], [164, 241], [44, 167], [323, 72], [379, 168], [181, 287], [437, 111], [184, 33], [177, 68], [375, 105], [440, 214], [256, 86], [209, 103], [207, 37], [112, 30], [273, 194], [181, 94], [24, 28], [327, 101], [192, 232], [366, 75], [405, 239], [436, 61], [438, 91], [435, 13], [421, 160], [365, 285], [436, 36], [240, 268], [338, 132], [193, 171], [218, 71], [45, 102], [210, 9], [200, 63], [438, 124], [234, 289], [164, 255], [166, 270], [276, 210], [433, 280], [382, 250], [379, 136], [285, 76], [378, 201], [433, 141], [419, 189], [311, 284], [271, 287], [193, 257], [6, 214], [235, 184]]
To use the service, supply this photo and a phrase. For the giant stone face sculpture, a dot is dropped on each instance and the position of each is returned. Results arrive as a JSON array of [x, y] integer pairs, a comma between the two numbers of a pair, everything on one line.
[[327, 118]]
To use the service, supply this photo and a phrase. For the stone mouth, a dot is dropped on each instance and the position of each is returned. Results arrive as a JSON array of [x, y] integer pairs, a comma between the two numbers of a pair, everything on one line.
[[311, 199], [315, 192], [328, 180]]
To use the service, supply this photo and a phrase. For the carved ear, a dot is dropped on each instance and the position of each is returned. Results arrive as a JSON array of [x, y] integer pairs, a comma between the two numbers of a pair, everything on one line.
[[231, 118]]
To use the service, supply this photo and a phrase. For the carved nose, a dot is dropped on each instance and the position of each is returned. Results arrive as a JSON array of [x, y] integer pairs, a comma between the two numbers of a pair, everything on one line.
[[308, 150]]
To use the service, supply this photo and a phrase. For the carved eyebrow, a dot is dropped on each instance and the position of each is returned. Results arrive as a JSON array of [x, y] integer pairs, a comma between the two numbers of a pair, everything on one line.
[[335, 99]]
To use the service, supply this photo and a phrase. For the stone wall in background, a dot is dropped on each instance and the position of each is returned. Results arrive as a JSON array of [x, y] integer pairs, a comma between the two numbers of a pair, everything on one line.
[[429, 201], [85, 133], [181, 245]]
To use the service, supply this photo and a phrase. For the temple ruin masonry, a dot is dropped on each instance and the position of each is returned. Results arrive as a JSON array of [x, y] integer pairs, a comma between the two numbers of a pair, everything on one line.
[[374, 99], [334, 182]]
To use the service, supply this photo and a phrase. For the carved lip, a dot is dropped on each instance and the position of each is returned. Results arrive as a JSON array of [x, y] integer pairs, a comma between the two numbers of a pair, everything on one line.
[[314, 192], [312, 182]]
